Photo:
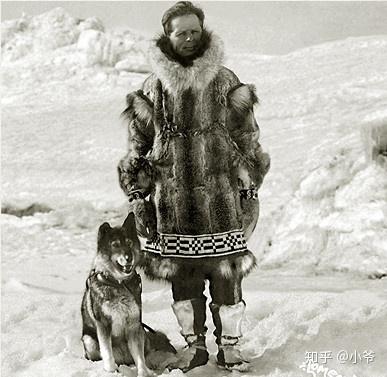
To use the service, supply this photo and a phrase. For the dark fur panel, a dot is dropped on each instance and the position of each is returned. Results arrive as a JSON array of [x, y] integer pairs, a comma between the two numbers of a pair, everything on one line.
[[192, 208], [217, 148], [183, 110], [219, 154], [166, 205], [189, 171], [160, 99], [222, 207]]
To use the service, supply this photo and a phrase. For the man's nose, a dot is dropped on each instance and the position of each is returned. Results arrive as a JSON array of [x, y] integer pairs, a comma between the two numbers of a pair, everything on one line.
[[189, 37]]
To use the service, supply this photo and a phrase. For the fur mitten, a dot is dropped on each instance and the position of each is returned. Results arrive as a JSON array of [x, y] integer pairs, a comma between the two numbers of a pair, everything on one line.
[[145, 215]]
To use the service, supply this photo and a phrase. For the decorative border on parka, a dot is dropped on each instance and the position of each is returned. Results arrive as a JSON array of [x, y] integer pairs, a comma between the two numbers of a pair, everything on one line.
[[198, 246]]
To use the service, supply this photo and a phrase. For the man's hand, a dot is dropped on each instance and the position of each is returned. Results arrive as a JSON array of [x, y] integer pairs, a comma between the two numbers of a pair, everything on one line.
[[145, 218]]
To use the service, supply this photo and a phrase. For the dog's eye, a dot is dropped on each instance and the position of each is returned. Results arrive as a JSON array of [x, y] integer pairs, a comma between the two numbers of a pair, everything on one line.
[[129, 242], [116, 243]]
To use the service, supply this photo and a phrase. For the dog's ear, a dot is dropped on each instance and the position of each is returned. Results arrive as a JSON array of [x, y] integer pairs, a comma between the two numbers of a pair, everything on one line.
[[130, 224], [103, 230]]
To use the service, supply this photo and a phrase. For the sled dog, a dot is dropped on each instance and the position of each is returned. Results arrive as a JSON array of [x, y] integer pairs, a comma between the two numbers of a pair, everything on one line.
[[111, 306]]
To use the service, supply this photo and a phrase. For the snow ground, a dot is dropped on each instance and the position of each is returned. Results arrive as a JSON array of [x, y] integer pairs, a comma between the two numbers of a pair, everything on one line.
[[322, 232]]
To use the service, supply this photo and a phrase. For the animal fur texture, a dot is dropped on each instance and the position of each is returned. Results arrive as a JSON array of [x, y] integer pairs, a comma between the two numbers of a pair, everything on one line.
[[197, 133], [158, 267], [177, 78], [111, 305]]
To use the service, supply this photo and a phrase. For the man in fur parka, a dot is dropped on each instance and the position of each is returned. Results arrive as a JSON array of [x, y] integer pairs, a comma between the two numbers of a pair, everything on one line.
[[191, 174]]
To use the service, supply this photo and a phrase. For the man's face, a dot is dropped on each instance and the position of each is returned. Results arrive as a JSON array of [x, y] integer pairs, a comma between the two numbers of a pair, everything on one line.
[[185, 34]]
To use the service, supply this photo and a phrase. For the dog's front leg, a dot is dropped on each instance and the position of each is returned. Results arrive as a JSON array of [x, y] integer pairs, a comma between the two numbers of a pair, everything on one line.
[[136, 344], [105, 346]]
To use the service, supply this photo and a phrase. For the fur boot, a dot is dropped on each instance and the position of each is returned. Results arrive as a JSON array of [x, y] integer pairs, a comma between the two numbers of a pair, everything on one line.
[[228, 320], [191, 316]]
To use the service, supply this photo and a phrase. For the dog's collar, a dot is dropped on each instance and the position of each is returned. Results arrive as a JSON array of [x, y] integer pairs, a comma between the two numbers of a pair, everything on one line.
[[106, 278]]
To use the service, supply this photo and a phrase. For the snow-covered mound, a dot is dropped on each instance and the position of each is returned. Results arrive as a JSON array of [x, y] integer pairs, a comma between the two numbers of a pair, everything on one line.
[[55, 46], [41, 33], [337, 219]]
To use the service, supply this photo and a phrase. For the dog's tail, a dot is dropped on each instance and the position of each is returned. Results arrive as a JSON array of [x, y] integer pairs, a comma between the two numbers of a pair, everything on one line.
[[157, 341]]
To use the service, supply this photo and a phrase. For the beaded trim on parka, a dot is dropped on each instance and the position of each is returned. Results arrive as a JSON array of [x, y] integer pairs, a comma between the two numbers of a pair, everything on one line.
[[198, 246]]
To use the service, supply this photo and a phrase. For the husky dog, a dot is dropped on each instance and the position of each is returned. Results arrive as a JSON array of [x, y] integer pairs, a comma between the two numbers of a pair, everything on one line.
[[111, 305]]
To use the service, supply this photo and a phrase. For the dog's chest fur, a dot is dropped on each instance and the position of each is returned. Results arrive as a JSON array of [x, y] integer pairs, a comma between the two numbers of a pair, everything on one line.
[[123, 314], [118, 304]]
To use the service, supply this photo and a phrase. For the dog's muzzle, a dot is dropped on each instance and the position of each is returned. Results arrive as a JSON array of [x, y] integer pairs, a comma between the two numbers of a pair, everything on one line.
[[125, 263]]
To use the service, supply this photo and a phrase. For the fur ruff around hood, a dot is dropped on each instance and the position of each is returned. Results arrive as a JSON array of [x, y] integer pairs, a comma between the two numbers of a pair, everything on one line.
[[176, 77]]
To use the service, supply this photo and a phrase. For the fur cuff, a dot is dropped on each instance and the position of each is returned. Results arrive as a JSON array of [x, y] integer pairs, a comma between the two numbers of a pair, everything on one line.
[[261, 165], [138, 106], [242, 265], [242, 98], [167, 268], [132, 172]]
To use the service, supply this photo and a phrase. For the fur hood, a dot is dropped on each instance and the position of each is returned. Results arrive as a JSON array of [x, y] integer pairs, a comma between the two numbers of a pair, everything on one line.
[[176, 77]]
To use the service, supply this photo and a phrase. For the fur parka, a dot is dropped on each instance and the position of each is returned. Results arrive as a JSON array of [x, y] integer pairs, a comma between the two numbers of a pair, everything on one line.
[[193, 140]]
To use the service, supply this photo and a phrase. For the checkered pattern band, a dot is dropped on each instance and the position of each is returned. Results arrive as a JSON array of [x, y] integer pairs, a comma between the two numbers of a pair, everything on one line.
[[203, 245]]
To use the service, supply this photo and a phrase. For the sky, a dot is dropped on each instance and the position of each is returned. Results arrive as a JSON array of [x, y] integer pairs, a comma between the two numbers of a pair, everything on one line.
[[265, 27]]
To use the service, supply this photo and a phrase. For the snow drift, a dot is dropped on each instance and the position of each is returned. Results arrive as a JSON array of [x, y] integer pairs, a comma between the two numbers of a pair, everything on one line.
[[337, 219]]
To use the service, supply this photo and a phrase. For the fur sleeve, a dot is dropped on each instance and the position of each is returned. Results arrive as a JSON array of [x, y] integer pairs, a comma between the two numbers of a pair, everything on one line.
[[244, 132], [134, 170]]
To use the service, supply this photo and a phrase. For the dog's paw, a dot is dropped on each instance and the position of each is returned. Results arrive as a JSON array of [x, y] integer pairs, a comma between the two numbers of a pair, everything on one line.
[[110, 365]]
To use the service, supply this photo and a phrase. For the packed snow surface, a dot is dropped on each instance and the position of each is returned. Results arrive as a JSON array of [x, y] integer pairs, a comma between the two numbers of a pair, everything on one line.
[[321, 239]]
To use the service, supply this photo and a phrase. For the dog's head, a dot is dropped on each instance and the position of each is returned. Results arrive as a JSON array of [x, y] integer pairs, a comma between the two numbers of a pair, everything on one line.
[[118, 249]]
